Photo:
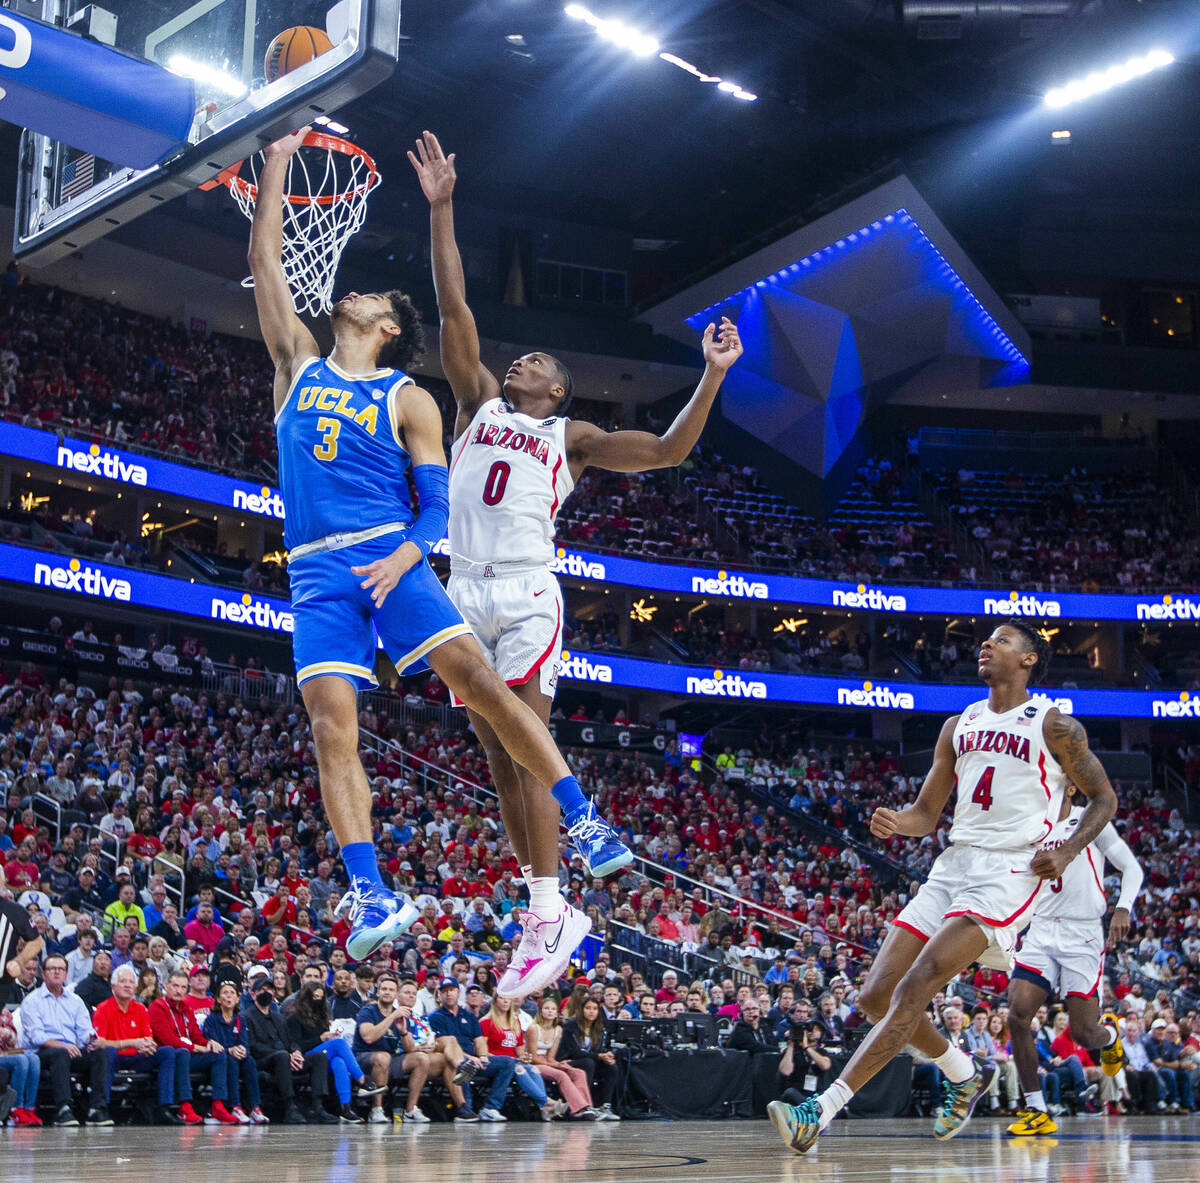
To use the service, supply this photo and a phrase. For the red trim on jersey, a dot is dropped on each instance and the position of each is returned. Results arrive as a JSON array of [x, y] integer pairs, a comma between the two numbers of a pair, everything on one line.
[[554, 641], [992, 921], [909, 928], [1095, 874], [553, 485], [1095, 985], [1042, 772]]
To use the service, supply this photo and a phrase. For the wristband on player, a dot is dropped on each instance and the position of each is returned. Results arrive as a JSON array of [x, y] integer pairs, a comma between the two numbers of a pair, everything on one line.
[[433, 493]]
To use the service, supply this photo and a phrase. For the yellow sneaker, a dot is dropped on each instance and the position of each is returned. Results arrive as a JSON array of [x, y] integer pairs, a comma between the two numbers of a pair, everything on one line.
[[1031, 1122], [1111, 1058]]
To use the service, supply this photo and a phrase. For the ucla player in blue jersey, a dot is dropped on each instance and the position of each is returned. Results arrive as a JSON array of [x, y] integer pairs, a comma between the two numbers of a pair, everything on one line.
[[350, 427]]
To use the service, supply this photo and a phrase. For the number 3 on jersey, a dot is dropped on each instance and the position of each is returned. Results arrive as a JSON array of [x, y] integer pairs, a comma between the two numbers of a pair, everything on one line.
[[330, 429], [983, 790], [496, 483]]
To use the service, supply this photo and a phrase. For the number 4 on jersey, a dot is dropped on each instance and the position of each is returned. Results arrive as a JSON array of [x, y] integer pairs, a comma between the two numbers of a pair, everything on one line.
[[983, 790]]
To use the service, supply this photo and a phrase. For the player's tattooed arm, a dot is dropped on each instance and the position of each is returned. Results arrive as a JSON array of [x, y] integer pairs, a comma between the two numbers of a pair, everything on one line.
[[639, 451], [287, 338], [921, 817], [1068, 743], [470, 380]]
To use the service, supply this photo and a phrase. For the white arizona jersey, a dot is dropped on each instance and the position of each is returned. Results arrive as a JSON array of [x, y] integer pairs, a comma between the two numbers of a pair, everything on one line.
[[1009, 785], [1078, 894], [508, 477]]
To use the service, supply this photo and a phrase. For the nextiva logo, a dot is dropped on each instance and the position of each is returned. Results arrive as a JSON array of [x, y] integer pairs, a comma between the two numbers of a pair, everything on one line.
[[247, 610], [1171, 608], [265, 502], [871, 695], [1186, 706], [97, 461], [1021, 604], [869, 597], [729, 585], [88, 581], [1064, 704], [568, 563], [722, 685], [583, 669]]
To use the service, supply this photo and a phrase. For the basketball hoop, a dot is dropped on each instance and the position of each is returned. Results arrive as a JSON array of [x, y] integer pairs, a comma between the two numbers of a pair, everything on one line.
[[325, 201]]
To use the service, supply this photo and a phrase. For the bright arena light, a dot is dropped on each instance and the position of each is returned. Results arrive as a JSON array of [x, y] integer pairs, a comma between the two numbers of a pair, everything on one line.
[[187, 67], [1102, 80], [643, 45]]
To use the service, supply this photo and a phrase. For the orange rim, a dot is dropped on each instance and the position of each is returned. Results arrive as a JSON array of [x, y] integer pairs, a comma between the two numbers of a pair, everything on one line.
[[314, 139]]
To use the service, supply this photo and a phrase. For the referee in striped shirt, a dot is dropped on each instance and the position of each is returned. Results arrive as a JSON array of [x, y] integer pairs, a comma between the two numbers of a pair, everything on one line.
[[15, 927]]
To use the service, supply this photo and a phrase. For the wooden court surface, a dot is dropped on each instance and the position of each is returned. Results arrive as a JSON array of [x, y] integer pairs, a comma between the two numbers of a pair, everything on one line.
[[1098, 1150]]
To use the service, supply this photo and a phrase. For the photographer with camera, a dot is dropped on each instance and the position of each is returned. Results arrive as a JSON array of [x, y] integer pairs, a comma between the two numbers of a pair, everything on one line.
[[804, 1061]]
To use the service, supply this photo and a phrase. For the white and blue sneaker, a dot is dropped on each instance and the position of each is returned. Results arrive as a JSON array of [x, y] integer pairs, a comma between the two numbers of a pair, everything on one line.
[[596, 842], [376, 915]]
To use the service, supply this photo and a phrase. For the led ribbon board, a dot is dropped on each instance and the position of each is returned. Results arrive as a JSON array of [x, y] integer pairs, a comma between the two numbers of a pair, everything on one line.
[[124, 467], [105, 582]]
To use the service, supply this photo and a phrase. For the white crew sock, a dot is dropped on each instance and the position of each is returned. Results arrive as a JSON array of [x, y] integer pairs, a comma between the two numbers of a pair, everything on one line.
[[1036, 1101], [956, 1064], [544, 897], [833, 1100], [527, 875]]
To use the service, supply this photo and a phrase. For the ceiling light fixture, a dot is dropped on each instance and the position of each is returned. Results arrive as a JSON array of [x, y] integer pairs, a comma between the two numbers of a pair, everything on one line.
[[1101, 80]]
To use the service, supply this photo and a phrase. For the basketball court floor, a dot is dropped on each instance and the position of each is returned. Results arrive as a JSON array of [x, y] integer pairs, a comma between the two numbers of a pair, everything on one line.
[[1137, 1150]]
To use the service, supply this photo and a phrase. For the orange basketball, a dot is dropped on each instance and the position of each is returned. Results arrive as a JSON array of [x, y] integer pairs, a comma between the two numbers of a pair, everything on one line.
[[293, 47]]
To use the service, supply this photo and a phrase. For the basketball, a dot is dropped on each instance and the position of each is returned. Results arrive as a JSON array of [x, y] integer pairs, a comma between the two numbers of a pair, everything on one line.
[[293, 47]]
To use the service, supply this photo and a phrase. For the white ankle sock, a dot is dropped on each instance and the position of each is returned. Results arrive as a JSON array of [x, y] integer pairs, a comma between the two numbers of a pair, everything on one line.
[[956, 1064], [833, 1100], [544, 897], [1036, 1101]]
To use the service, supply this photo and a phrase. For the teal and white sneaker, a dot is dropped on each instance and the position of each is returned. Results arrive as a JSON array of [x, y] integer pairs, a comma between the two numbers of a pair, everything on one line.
[[798, 1125], [959, 1100]]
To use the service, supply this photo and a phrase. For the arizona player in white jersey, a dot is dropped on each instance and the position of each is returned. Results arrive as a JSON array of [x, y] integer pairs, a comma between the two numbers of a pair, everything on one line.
[[1009, 757], [515, 460], [1063, 951]]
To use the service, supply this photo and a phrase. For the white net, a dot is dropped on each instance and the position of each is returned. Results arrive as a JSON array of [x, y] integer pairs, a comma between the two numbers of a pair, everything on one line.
[[325, 202]]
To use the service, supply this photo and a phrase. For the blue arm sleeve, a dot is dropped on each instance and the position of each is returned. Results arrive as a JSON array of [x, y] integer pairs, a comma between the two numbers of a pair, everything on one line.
[[433, 491]]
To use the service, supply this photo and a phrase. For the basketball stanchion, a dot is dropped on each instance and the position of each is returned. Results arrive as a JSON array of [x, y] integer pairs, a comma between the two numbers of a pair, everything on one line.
[[325, 201]]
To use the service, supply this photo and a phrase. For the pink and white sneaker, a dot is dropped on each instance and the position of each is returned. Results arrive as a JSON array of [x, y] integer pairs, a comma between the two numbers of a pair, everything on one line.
[[544, 952]]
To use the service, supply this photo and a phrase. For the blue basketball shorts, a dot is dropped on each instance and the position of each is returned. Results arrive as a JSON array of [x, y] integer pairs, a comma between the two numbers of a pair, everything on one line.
[[336, 623]]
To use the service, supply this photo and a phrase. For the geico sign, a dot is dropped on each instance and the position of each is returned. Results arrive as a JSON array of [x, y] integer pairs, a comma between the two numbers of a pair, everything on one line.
[[567, 563], [722, 685], [870, 597], [1171, 608], [1186, 706], [97, 461], [582, 669], [267, 503], [258, 613], [1026, 604], [870, 695], [88, 581], [729, 585]]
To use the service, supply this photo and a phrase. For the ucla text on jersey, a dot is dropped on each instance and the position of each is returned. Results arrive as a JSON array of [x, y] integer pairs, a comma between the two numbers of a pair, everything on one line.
[[342, 461]]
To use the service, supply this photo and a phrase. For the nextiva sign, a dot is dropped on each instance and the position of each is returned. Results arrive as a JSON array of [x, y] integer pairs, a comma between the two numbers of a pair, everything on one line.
[[100, 462], [1170, 608], [1184, 705]]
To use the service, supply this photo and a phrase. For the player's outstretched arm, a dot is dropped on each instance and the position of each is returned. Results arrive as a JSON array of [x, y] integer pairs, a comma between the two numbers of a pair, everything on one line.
[[469, 379], [637, 451], [417, 415], [1116, 851], [921, 817], [288, 340], [1068, 744]]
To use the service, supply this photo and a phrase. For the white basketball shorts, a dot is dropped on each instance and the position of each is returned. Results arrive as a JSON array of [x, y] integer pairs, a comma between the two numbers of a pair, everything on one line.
[[995, 888], [518, 622], [1069, 954]]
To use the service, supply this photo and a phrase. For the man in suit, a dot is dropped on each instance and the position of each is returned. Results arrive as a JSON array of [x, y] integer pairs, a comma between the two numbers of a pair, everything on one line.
[[750, 1033]]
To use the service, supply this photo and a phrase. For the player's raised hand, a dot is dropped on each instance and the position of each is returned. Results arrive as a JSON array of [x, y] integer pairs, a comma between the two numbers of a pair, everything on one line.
[[721, 346], [885, 823], [383, 574], [286, 147], [435, 170]]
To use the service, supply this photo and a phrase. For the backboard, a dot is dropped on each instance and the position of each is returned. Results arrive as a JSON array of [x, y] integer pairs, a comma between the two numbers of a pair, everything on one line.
[[66, 198]]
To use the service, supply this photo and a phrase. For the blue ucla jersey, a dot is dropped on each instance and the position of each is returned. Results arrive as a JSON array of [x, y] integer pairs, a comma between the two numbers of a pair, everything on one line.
[[342, 465]]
